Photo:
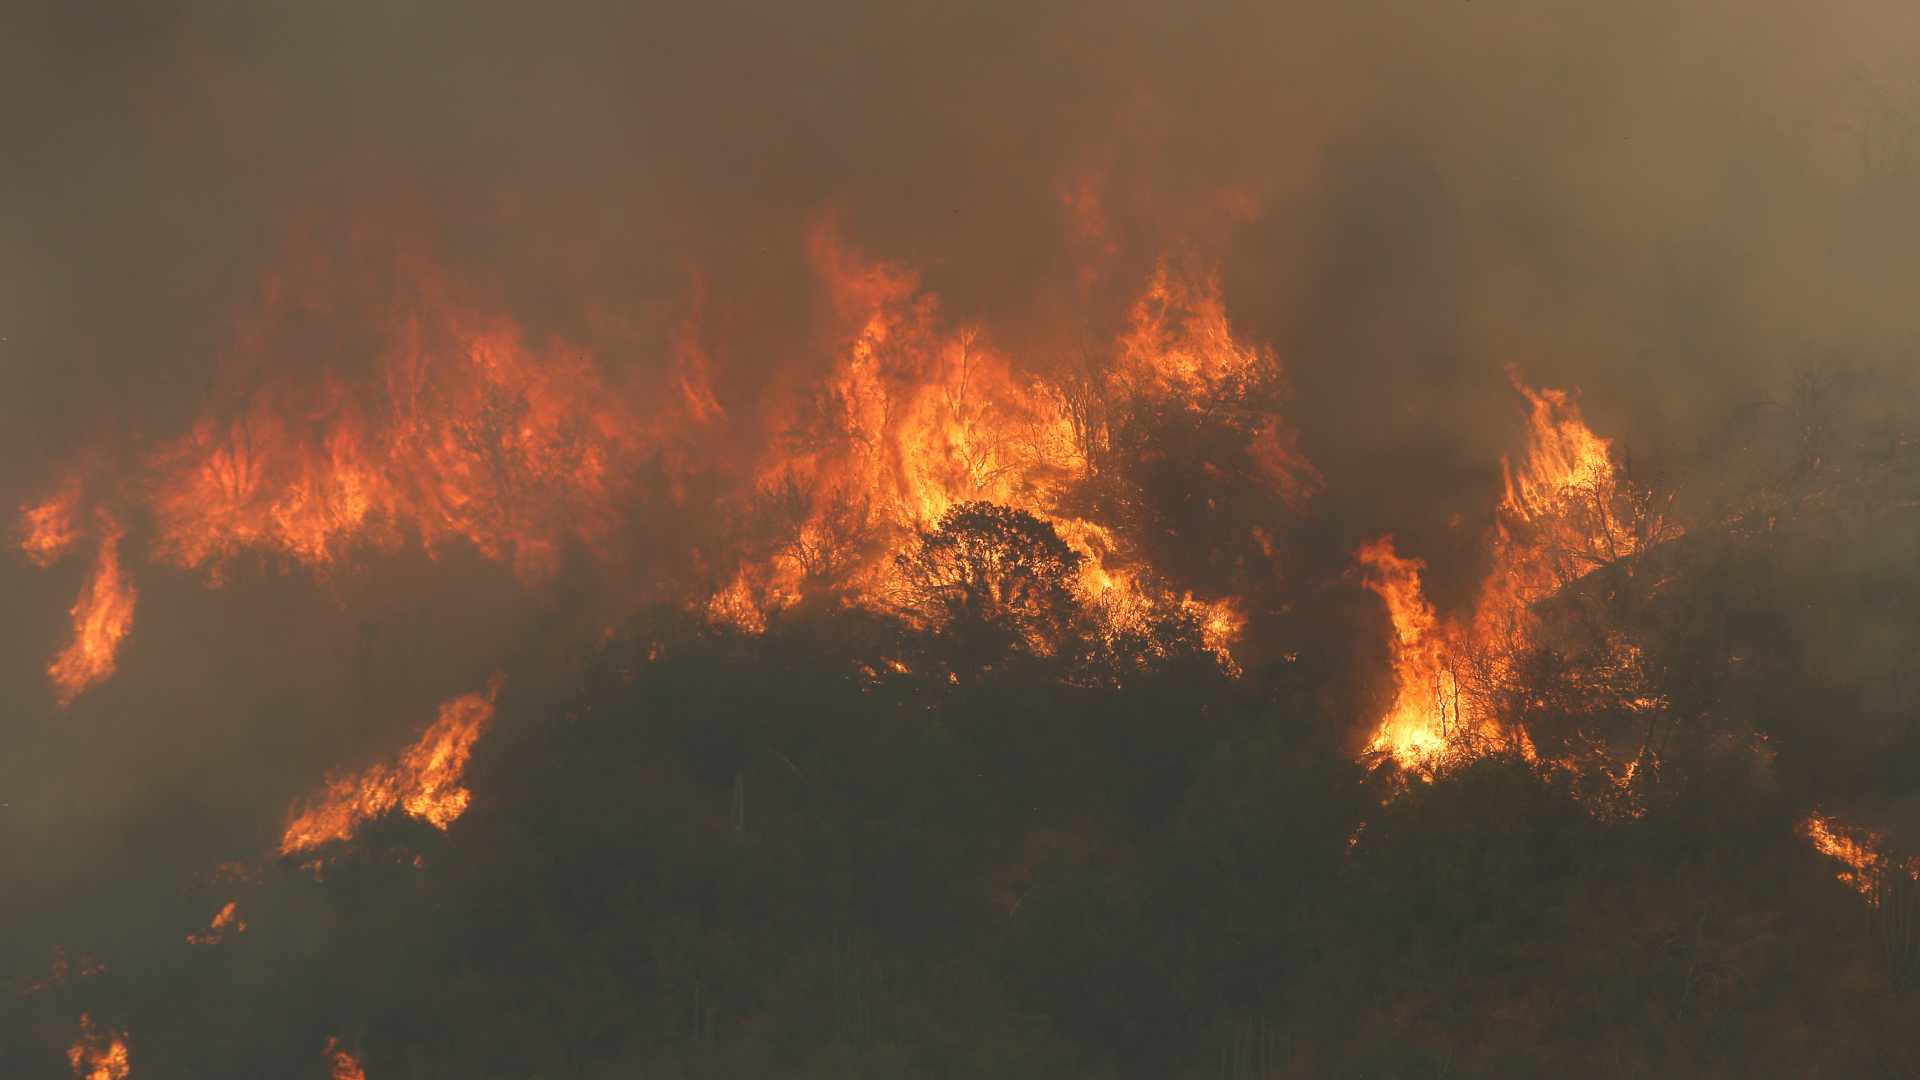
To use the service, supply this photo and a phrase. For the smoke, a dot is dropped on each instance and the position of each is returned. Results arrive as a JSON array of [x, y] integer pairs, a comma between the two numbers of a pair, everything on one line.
[[1668, 207]]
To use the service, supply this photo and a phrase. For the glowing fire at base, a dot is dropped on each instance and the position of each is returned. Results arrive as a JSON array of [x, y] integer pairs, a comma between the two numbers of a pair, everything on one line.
[[98, 1053], [344, 1066], [425, 783]]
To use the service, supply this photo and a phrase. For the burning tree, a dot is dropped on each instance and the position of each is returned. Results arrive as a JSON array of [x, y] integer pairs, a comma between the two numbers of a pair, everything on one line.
[[993, 581]]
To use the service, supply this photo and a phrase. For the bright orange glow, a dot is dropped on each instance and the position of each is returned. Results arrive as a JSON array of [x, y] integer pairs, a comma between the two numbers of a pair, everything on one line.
[[1860, 852], [443, 425], [433, 422], [1426, 689], [921, 417], [99, 1054], [470, 434], [425, 783], [225, 921], [343, 1066], [1558, 520], [49, 528], [102, 617]]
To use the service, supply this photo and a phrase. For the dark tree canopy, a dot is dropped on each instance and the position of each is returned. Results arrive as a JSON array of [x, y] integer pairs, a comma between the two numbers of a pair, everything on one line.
[[993, 579]]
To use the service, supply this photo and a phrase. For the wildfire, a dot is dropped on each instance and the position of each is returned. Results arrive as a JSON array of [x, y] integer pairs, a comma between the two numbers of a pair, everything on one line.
[[1860, 852], [443, 424], [1426, 690], [470, 434], [99, 1054], [102, 617], [344, 1065], [51, 527], [424, 783], [917, 418], [1558, 520], [225, 921], [438, 422], [60, 970]]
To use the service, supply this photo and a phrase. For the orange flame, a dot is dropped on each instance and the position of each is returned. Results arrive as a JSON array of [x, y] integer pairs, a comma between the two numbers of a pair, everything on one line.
[[1860, 851], [1426, 691], [454, 428], [471, 434], [49, 528], [1557, 521], [226, 920], [445, 424], [99, 1054], [344, 1065], [102, 617], [917, 418], [425, 783]]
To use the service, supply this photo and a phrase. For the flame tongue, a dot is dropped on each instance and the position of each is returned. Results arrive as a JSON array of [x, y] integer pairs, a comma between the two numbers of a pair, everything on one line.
[[225, 921], [1861, 852], [102, 617], [920, 419], [424, 783], [1424, 685], [1558, 519]]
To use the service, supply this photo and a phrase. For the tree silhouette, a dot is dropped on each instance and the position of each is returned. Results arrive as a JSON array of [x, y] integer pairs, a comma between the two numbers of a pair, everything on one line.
[[992, 581]]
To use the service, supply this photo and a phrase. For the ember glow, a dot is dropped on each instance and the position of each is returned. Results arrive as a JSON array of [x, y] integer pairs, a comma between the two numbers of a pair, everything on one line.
[[50, 527], [343, 1066], [424, 783], [99, 1053], [226, 921]]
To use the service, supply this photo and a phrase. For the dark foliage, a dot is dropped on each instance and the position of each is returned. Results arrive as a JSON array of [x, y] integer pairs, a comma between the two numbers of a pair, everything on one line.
[[929, 843]]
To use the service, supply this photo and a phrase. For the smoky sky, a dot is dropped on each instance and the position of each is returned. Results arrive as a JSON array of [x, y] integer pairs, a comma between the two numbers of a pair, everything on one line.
[[1665, 205], [1651, 202]]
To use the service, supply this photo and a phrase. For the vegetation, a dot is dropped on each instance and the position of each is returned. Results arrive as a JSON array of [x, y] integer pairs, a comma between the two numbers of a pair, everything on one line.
[[927, 844]]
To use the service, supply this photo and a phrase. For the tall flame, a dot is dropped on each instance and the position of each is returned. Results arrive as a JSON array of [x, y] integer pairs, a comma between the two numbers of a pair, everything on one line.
[[99, 1054], [1558, 519], [439, 423], [102, 617], [916, 418], [424, 783], [1426, 690], [469, 434]]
